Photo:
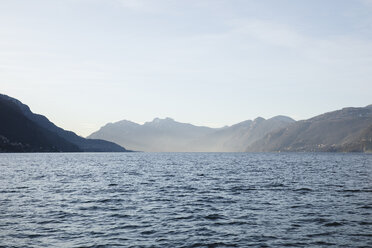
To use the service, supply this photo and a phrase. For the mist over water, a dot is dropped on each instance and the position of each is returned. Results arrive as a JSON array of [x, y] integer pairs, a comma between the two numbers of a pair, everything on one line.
[[185, 200]]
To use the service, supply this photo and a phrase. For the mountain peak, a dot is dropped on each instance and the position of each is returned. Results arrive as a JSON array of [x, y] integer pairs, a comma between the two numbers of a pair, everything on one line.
[[167, 119], [126, 123], [158, 121], [282, 118], [259, 119]]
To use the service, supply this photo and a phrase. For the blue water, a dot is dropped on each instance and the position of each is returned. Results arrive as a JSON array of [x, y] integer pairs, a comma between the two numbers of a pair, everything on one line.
[[186, 200]]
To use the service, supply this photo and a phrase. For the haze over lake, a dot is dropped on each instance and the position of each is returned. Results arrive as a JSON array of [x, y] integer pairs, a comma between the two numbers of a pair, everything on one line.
[[185, 200], [185, 123]]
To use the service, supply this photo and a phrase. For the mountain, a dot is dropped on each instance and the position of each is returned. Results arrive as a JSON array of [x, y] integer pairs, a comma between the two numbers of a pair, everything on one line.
[[168, 135], [237, 137], [19, 134], [23, 131], [159, 135], [345, 130]]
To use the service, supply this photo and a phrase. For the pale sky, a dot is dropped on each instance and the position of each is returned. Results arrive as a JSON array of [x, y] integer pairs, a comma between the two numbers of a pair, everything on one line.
[[83, 63]]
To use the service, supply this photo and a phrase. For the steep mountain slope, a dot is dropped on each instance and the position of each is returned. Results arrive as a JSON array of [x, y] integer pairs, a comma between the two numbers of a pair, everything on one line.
[[348, 129], [167, 135], [22, 130], [19, 134], [363, 143]]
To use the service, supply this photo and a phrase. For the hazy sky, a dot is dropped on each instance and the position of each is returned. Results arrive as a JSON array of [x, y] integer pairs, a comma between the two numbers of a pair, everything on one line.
[[84, 63]]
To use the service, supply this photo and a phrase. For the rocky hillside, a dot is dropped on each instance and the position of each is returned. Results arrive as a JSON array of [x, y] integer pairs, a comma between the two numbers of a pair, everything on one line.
[[345, 130]]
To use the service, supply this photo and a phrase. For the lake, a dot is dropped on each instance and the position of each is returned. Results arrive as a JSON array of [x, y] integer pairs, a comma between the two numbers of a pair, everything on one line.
[[186, 200]]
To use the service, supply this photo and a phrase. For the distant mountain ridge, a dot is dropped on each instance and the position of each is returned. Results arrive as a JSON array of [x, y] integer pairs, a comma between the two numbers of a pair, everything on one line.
[[23, 131], [168, 135], [345, 130], [158, 135]]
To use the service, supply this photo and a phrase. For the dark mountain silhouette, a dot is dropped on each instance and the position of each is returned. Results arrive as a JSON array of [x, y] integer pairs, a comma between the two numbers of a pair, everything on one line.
[[23, 131], [19, 134], [345, 130], [167, 135]]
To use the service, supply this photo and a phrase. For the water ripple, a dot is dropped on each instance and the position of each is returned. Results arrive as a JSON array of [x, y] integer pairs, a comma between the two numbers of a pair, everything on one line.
[[185, 200]]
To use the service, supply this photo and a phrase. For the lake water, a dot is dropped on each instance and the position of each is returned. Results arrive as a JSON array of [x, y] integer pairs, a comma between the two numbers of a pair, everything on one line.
[[186, 200]]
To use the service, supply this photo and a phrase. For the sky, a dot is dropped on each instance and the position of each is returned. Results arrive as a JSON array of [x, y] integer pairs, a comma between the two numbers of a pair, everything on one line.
[[84, 63]]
